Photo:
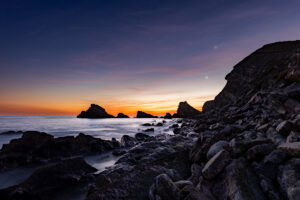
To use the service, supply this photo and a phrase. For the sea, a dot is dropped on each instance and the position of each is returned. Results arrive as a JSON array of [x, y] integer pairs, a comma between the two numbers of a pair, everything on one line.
[[59, 126]]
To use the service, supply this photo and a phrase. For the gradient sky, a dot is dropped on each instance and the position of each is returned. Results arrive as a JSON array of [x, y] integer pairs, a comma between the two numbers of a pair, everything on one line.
[[57, 57]]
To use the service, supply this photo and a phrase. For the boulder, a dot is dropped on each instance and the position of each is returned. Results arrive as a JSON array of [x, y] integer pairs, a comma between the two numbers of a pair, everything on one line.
[[216, 164], [127, 141], [185, 110], [141, 114], [141, 136], [94, 111], [258, 152], [149, 130], [164, 188], [121, 115], [284, 128], [292, 149], [215, 148]]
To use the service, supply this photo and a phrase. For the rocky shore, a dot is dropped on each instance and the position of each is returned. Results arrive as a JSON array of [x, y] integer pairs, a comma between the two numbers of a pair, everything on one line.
[[245, 145]]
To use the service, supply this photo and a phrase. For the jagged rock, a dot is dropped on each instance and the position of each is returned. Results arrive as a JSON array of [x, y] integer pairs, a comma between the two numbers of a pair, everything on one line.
[[141, 114], [292, 149], [284, 128], [215, 148], [127, 141], [168, 116], [289, 179], [185, 110], [94, 111], [45, 182], [216, 164], [121, 115]]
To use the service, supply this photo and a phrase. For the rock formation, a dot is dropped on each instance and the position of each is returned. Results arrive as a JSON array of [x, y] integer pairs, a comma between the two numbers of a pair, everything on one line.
[[185, 110], [141, 114], [121, 115], [94, 111]]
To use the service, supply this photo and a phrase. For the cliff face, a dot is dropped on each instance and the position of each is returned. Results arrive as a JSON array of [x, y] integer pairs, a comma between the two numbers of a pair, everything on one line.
[[272, 66], [94, 111]]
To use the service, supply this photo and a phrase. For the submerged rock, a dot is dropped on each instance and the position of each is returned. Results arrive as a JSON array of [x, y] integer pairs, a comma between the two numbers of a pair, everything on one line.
[[94, 111]]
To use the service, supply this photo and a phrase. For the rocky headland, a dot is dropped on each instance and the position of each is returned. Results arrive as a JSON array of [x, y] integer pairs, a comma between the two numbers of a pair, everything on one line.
[[95, 111], [245, 145]]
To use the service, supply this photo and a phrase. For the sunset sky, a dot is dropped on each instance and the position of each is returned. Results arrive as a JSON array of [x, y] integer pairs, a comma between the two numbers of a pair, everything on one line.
[[58, 57]]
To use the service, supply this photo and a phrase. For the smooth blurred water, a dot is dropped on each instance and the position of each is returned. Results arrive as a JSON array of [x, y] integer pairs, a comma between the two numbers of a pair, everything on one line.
[[62, 126]]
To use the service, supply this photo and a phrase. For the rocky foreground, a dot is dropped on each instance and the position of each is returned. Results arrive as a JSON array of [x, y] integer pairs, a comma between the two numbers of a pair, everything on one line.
[[245, 145]]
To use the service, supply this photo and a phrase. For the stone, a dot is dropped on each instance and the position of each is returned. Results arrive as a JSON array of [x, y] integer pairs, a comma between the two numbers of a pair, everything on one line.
[[185, 110], [121, 115], [292, 149], [289, 179], [141, 136], [118, 152], [258, 152], [294, 136], [95, 111], [149, 130], [168, 116], [216, 164], [141, 114], [165, 188], [284, 128], [215, 148], [127, 141]]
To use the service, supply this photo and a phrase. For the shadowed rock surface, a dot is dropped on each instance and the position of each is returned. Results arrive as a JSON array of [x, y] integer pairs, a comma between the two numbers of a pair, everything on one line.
[[95, 111], [121, 115]]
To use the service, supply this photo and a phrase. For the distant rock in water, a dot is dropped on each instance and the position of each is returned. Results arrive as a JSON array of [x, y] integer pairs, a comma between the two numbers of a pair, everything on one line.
[[141, 114], [185, 110], [168, 116], [121, 115], [95, 111]]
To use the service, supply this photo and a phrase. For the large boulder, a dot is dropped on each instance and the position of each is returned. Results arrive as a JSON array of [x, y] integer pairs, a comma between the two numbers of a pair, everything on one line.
[[185, 110], [141, 114], [95, 111], [164, 188]]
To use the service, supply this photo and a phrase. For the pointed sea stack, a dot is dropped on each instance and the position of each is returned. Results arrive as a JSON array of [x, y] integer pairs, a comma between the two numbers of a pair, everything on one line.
[[121, 115], [185, 110], [141, 114], [95, 111]]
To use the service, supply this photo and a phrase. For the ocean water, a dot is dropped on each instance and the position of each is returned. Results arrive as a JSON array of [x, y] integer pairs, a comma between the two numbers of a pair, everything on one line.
[[63, 126]]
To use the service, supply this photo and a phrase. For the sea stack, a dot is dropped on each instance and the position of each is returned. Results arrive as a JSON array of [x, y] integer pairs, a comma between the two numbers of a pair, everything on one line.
[[121, 115], [141, 114], [185, 110], [95, 111]]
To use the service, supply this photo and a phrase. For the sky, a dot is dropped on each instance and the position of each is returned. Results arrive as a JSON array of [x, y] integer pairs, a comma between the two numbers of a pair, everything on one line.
[[58, 57]]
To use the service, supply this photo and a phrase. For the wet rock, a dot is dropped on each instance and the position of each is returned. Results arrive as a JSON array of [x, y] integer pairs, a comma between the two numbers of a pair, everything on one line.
[[174, 126], [45, 182], [149, 130], [215, 148], [185, 110], [147, 124], [121, 115], [216, 164], [159, 124], [127, 141], [141, 136], [141, 114], [284, 128], [292, 149], [94, 111]]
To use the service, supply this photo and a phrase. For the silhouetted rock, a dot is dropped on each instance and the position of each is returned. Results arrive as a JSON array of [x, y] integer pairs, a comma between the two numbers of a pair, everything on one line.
[[11, 133], [95, 111], [121, 115], [168, 116], [141, 114], [185, 110]]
